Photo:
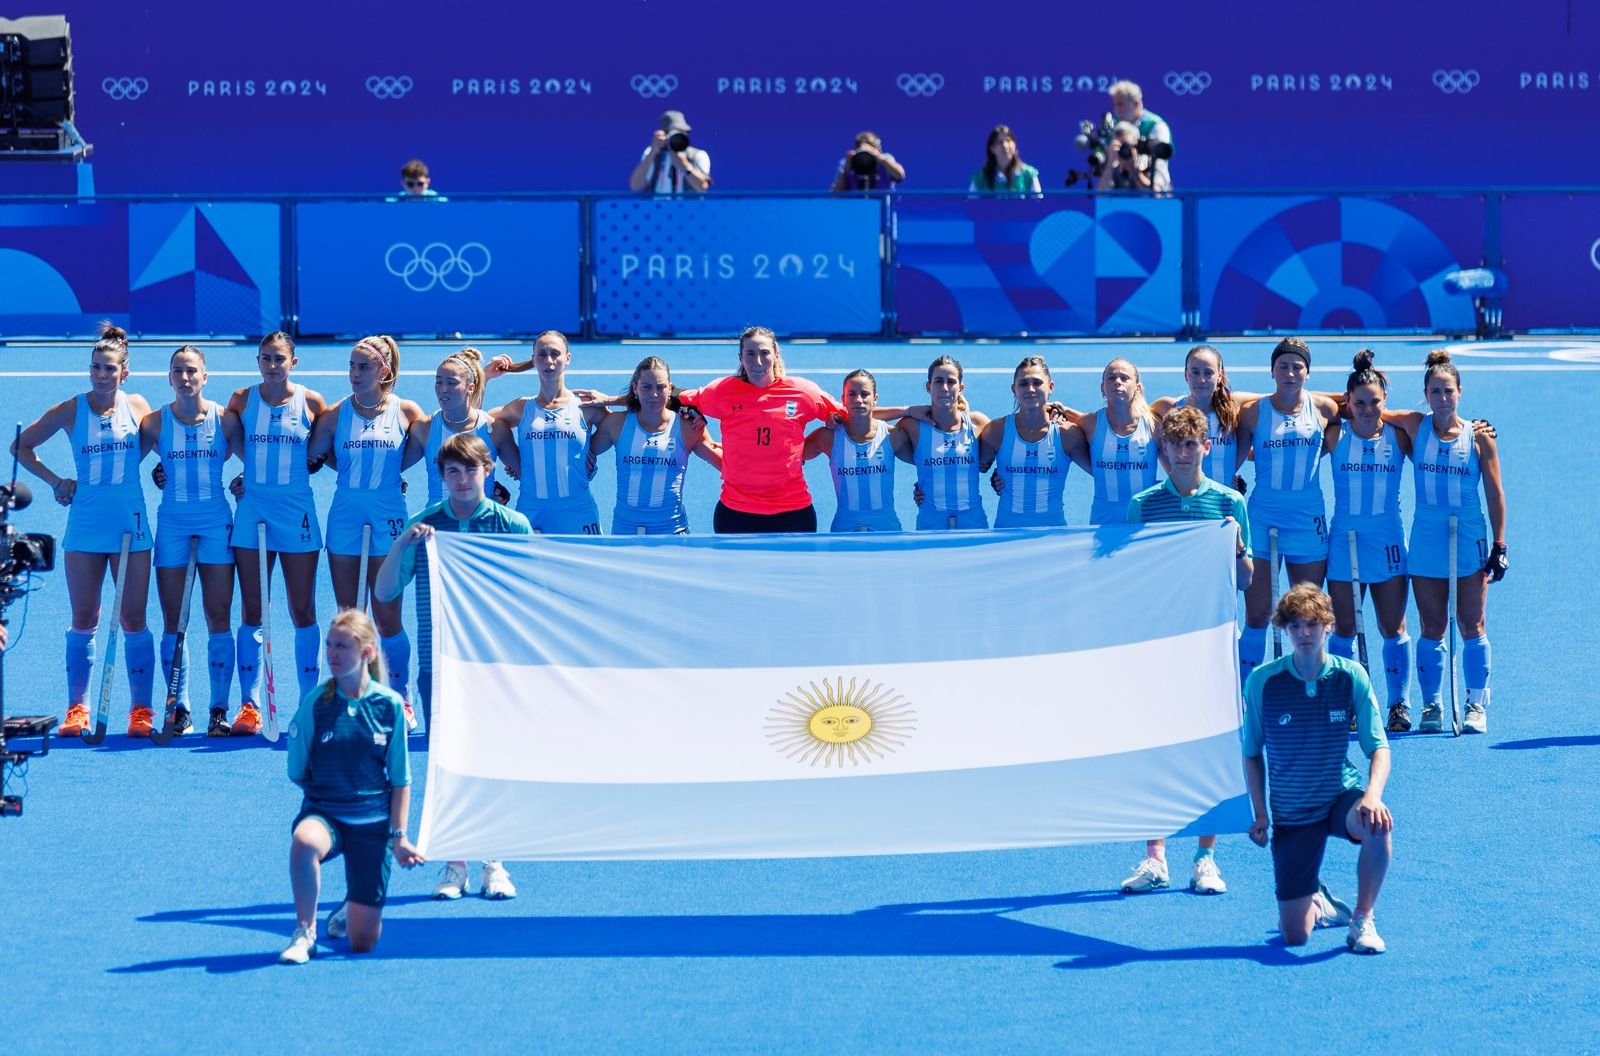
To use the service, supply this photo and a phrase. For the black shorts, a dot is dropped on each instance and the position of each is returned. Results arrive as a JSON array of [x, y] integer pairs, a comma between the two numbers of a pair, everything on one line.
[[728, 521], [367, 859], [1297, 849]]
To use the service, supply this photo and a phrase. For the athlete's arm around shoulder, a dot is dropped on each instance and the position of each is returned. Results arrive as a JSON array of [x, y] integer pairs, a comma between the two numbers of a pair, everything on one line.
[[1494, 492], [319, 447], [1249, 414], [990, 437], [904, 439], [607, 433], [149, 432], [818, 442]]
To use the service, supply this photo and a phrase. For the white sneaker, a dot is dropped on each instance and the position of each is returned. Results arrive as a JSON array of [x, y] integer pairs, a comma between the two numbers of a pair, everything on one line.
[[1331, 912], [301, 948], [338, 926], [1476, 720], [452, 882], [1363, 936], [1206, 879], [1149, 875], [496, 882], [1432, 718]]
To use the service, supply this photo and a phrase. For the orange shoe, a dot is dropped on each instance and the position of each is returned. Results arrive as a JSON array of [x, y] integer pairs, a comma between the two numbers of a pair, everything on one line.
[[139, 722], [248, 722], [77, 722]]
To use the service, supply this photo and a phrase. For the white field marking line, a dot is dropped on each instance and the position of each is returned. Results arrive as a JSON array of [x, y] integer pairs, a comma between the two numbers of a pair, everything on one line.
[[1576, 364]]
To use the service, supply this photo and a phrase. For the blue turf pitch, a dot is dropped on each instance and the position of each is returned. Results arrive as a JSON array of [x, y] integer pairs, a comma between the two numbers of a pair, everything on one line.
[[146, 895]]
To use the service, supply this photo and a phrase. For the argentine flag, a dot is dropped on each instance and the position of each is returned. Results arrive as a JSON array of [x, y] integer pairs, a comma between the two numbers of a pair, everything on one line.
[[785, 696]]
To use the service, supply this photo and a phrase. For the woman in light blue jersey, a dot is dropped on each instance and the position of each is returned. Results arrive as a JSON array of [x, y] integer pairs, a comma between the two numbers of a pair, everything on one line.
[[1286, 432], [193, 438], [653, 442], [1031, 452], [275, 419], [1449, 461], [1210, 392], [551, 434], [365, 437], [105, 503], [458, 385], [944, 449], [1367, 456], [1123, 448], [861, 454]]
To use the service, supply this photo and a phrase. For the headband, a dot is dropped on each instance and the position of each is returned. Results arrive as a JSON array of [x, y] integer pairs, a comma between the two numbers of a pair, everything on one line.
[[1286, 349]]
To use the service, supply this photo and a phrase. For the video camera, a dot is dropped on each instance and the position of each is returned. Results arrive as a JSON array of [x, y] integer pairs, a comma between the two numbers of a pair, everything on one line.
[[21, 555], [1098, 142]]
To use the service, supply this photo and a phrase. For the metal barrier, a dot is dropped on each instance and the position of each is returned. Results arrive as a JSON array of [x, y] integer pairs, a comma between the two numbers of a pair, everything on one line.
[[914, 264]]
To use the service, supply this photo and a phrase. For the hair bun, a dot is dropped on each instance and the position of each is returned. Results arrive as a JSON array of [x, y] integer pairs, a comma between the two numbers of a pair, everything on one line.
[[471, 353], [1363, 360], [1437, 357], [109, 331]]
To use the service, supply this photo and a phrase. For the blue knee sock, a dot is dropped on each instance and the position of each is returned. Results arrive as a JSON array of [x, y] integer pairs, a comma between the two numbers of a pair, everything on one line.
[[308, 656], [1430, 668], [397, 657], [1339, 645], [1475, 662], [140, 660], [1397, 667], [219, 653], [249, 657], [80, 662], [169, 646], [1252, 650]]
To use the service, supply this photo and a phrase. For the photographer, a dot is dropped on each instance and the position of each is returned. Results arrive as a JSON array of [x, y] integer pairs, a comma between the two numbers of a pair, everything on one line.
[[669, 164], [1129, 167], [867, 168]]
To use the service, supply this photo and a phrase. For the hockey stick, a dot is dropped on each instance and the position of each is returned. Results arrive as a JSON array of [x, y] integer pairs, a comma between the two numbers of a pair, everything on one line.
[[167, 730], [269, 729], [102, 711], [1272, 585], [366, 553], [1450, 650], [1361, 615]]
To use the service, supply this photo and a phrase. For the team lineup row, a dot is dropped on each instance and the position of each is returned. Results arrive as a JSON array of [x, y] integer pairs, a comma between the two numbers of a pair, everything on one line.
[[770, 422]]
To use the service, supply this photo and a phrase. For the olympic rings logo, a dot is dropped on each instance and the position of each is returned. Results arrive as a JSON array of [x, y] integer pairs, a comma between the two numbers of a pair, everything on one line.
[[125, 88], [654, 85], [436, 264], [389, 87], [1455, 82], [1187, 82], [920, 85]]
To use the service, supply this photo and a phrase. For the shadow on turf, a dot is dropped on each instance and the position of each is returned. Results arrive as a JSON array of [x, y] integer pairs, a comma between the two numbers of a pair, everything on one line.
[[971, 928], [1548, 742], [198, 745]]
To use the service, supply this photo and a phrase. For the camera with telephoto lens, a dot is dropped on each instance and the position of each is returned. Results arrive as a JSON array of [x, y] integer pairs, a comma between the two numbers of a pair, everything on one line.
[[678, 142], [1094, 141], [863, 164]]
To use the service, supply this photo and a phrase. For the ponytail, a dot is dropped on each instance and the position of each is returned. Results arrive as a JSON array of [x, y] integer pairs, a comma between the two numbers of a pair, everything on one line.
[[471, 360], [384, 347]]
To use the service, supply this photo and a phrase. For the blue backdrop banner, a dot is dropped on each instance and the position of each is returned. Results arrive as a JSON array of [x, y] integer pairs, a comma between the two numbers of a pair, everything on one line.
[[1551, 247], [437, 267], [713, 266], [1054, 266], [155, 268], [1323, 263]]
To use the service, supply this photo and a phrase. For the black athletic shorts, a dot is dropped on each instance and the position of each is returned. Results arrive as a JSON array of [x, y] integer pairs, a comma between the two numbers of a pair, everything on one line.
[[367, 859], [1297, 849], [728, 521]]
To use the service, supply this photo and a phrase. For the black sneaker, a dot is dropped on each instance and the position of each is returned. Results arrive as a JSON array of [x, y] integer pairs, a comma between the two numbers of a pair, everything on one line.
[[219, 724], [1399, 719], [180, 722]]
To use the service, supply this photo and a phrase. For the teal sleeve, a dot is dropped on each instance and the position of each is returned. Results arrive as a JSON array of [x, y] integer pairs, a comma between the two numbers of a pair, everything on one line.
[[1250, 738], [1364, 705], [518, 524], [1136, 509], [300, 739], [398, 761], [1241, 515]]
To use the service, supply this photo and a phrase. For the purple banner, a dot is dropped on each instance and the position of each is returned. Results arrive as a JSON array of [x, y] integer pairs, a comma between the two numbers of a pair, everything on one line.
[[1551, 246], [1341, 264], [1104, 265], [314, 97]]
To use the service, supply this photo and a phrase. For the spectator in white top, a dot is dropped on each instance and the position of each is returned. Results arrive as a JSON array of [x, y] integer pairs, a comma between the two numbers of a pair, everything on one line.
[[669, 164]]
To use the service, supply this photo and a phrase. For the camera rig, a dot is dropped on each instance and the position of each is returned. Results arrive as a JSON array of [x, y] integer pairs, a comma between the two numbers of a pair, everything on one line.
[[21, 555], [1098, 143]]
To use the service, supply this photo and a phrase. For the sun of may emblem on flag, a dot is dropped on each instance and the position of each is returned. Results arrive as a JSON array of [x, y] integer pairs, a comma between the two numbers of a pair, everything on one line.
[[835, 724]]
